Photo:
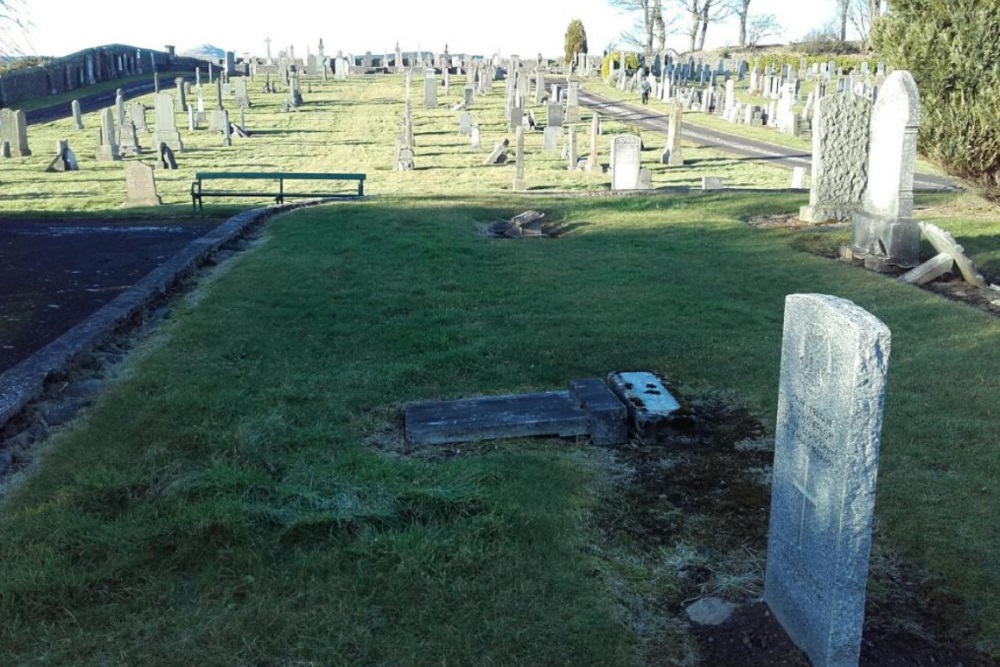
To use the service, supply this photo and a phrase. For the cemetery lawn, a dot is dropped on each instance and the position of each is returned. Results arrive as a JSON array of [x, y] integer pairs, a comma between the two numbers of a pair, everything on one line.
[[241, 493]]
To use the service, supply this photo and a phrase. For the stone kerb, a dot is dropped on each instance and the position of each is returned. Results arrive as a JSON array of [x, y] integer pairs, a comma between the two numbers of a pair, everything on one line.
[[839, 158], [831, 394]]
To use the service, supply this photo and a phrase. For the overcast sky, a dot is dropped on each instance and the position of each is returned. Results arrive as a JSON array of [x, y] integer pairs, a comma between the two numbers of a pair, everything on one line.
[[525, 27]]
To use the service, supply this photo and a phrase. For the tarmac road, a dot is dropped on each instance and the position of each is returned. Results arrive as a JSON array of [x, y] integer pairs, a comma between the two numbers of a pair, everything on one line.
[[98, 101], [734, 144]]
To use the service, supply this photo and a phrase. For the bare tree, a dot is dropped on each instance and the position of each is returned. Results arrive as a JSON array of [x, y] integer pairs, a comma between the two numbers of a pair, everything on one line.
[[659, 26], [759, 27], [741, 8], [863, 14], [693, 10], [14, 24], [844, 6], [641, 36], [711, 12]]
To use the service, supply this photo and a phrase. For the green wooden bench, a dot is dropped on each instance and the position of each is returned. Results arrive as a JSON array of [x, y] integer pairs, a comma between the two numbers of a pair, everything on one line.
[[198, 191]]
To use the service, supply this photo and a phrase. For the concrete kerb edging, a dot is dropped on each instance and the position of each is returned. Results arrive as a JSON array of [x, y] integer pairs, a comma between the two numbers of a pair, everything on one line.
[[25, 382]]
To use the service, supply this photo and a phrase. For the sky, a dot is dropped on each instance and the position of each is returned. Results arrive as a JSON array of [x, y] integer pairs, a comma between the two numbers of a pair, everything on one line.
[[523, 27]]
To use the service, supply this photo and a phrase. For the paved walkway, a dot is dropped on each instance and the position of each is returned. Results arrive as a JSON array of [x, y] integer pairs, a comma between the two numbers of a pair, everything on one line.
[[751, 149]]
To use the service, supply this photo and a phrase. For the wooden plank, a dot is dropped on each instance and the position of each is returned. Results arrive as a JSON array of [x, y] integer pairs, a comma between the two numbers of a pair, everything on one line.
[[492, 417]]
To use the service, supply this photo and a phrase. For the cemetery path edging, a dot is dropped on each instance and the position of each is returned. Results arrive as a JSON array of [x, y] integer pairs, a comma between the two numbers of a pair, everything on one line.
[[24, 382]]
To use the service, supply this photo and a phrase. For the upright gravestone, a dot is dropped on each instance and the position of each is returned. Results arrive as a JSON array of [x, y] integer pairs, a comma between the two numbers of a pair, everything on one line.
[[555, 115], [625, 162], [242, 97], [470, 96], [474, 139], [166, 124], [128, 140], [832, 387], [519, 183], [839, 158], [120, 107], [464, 124], [137, 113], [673, 155], [572, 102], [140, 185], [593, 166], [572, 156], [77, 114], [430, 91], [14, 130], [108, 150], [181, 94], [884, 233], [227, 137], [550, 138]]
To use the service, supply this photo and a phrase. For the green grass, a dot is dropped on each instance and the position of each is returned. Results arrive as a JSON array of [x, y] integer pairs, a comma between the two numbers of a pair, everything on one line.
[[235, 497], [332, 133]]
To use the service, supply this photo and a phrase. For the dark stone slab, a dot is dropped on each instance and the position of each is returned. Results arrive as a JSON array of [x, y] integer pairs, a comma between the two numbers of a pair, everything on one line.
[[607, 418], [548, 414], [654, 414]]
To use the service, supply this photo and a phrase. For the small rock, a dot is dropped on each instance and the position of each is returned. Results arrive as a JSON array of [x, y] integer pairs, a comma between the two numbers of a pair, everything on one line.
[[710, 611]]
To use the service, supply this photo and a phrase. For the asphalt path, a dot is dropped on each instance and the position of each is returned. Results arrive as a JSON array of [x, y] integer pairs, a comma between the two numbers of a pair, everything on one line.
[[55, 274], [98, 101], [734, 144]]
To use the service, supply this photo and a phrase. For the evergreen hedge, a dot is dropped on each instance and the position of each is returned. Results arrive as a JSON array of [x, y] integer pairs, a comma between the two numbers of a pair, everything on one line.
[[952, 48]]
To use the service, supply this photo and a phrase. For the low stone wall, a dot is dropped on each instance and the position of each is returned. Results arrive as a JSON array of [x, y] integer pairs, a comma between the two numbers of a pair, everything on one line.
[[85, 68]]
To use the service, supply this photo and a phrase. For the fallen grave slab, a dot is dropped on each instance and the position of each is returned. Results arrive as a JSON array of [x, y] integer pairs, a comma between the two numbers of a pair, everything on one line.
[[512, 416], [588, 408], [654, 415]]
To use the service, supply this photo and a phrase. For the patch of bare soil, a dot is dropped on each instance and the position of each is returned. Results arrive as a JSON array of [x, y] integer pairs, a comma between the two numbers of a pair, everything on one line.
[[787, 221], [714, 496]]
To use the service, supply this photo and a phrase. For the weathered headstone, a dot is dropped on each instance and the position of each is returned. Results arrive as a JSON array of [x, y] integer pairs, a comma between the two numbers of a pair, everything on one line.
[[593, 166], [798, 178], [227, 137], [499, 153], [474, 140], [430, 91], [64, 160], [832, 386], [884, 232], [555, 115], [550, 138], [166, 127], [137, 113], [77, 114], [519, 183], [14, 129], [108, 150], [712, 183], [242, 97], [181, 94], [839, 158], [464, 124], [625, 162], [673, 154], [128, 140], [140, 185], [165, 157], [572, 157]]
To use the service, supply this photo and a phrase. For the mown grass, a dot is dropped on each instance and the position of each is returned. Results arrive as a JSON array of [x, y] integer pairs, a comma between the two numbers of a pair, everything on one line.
[[235, 498], [333, 132]]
